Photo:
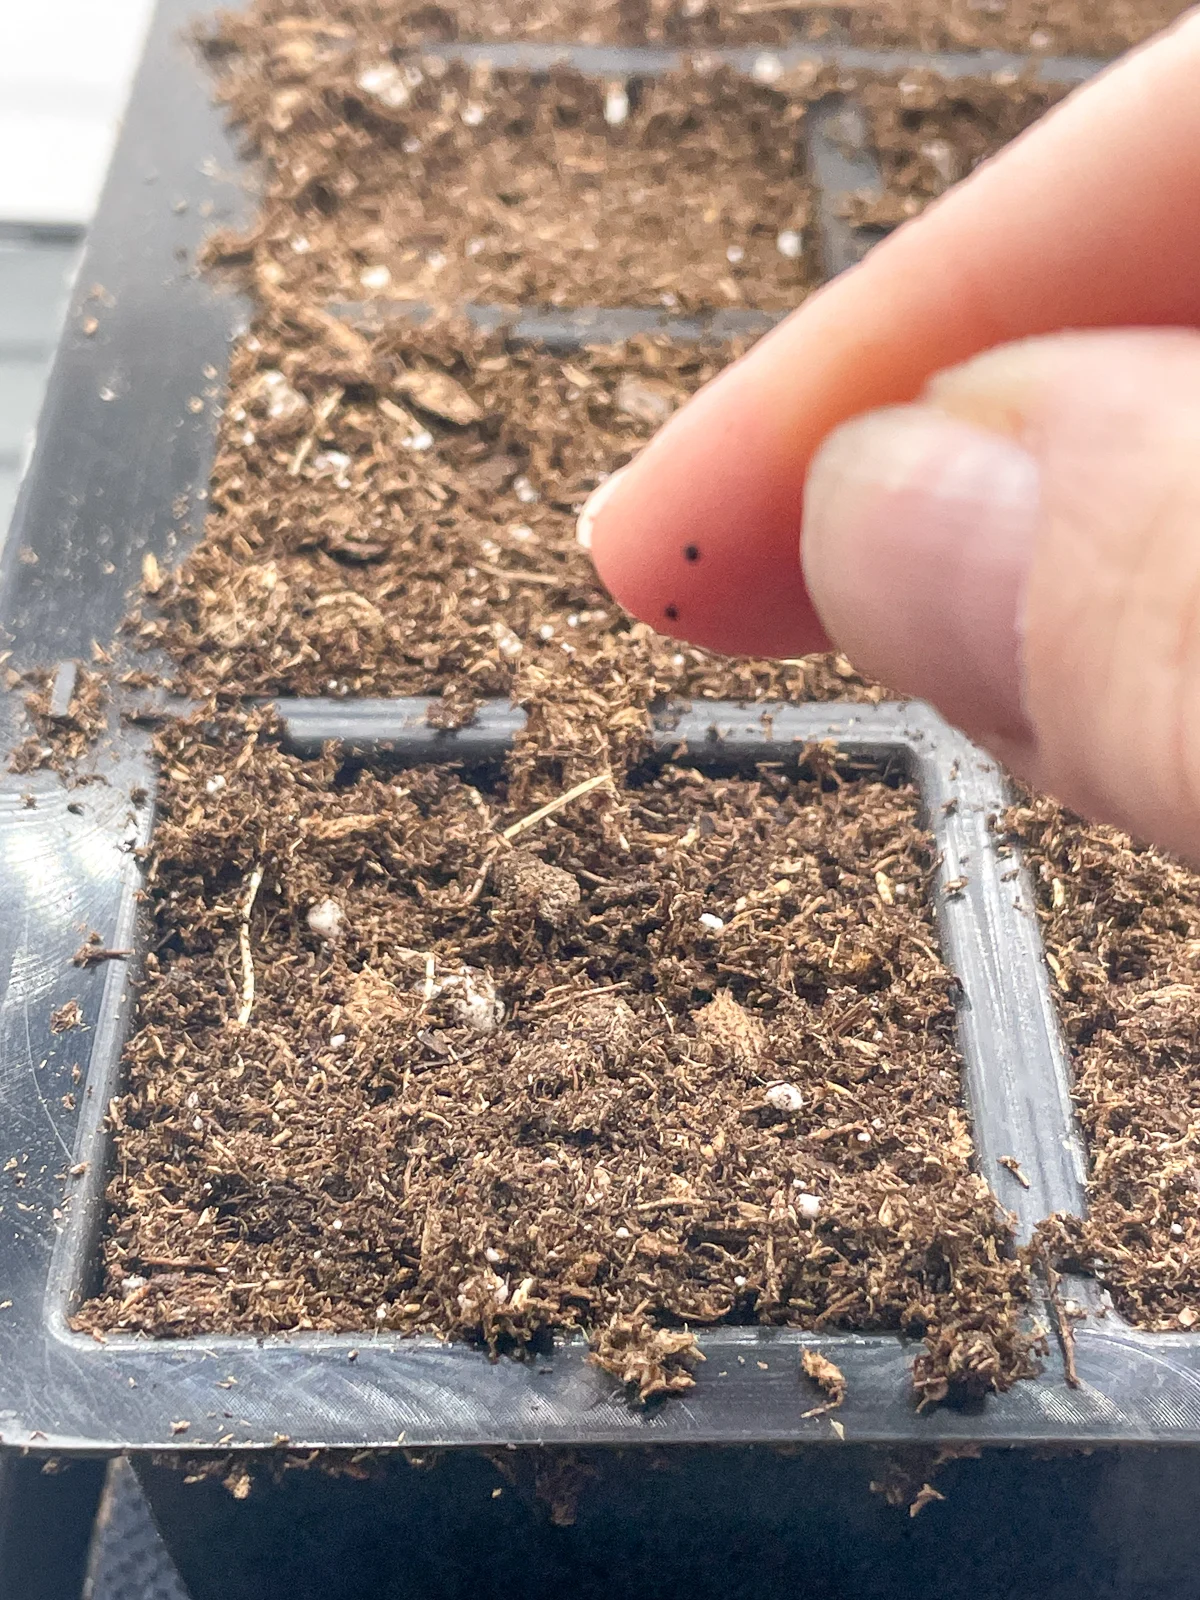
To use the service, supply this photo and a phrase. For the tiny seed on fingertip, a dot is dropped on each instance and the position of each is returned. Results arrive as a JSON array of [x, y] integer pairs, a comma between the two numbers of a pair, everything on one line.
[[671, 613], [691, 552]]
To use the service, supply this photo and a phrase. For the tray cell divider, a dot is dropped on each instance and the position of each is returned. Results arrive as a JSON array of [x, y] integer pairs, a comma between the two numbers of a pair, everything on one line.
[[764, 62], [567, 328]]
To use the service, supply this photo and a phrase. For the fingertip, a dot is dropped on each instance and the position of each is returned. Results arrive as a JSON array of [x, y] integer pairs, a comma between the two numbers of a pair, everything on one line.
[[592, 506], [919, 531], [686, 582], [699, 538]]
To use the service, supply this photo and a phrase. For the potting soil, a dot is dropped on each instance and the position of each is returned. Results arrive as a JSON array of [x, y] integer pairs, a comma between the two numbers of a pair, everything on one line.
[[681, 1052]]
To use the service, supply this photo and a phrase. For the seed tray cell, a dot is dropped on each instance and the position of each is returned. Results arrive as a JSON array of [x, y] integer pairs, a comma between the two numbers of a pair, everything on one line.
[[121, 471], [539, 187], [307, 1386], [843, 169]]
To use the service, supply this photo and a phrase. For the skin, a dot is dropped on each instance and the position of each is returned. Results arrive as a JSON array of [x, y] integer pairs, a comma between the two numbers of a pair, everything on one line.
[[1081, 592]]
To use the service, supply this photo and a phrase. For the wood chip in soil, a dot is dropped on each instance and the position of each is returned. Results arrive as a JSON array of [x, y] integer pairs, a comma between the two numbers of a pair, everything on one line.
[[675, 1063], [1121, 924], [447, 184]]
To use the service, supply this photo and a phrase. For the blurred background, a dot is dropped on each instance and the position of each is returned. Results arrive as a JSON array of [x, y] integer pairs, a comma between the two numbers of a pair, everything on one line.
[[65, 67]]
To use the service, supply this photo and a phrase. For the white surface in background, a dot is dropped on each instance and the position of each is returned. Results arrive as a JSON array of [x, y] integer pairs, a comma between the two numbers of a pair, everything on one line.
[[65, 68]]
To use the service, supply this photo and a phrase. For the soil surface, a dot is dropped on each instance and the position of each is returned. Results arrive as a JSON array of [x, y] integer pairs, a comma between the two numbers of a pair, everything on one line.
[[441, 184], [1099, 27], [1121, 922], [397, 516], [681, 1053], [389, 178]]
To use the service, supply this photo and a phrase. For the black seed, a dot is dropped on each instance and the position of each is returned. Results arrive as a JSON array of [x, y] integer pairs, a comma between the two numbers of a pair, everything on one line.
[[691, 552], [671, 613]]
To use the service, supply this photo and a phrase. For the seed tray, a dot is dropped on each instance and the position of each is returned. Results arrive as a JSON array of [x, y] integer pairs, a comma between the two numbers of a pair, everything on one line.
[[123, 455], [422, 1391]]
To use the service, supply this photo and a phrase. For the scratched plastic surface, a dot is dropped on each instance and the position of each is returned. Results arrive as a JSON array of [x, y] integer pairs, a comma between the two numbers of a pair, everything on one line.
[[118, 449]]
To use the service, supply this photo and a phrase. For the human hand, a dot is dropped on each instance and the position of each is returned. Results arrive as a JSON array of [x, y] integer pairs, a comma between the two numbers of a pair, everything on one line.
[[1013, 535]]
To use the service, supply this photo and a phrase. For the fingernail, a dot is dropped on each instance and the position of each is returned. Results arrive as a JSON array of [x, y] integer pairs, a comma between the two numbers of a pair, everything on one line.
[[917, 539], [591, 508]]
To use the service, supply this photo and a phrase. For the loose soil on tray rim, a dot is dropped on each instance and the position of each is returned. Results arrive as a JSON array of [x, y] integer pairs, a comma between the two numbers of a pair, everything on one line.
[[681, 1054], [1040, 27], [1121, 924]]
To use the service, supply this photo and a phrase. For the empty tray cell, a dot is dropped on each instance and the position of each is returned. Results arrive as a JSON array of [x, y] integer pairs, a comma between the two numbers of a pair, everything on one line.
[[1121, 924], [428, 180], [398, 516], [635, 1054]]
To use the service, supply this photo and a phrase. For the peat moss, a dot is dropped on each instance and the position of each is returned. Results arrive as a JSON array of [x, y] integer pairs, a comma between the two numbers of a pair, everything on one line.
[[442, 183], [397, 516], [928, 134], [1121, 925], [510, 1089]]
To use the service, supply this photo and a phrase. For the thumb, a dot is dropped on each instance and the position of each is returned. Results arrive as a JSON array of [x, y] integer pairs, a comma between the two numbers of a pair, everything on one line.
[[1022, 548]]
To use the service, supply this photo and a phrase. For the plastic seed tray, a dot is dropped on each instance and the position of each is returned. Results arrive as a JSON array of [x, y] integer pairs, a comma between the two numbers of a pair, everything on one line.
[[119, 450]]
